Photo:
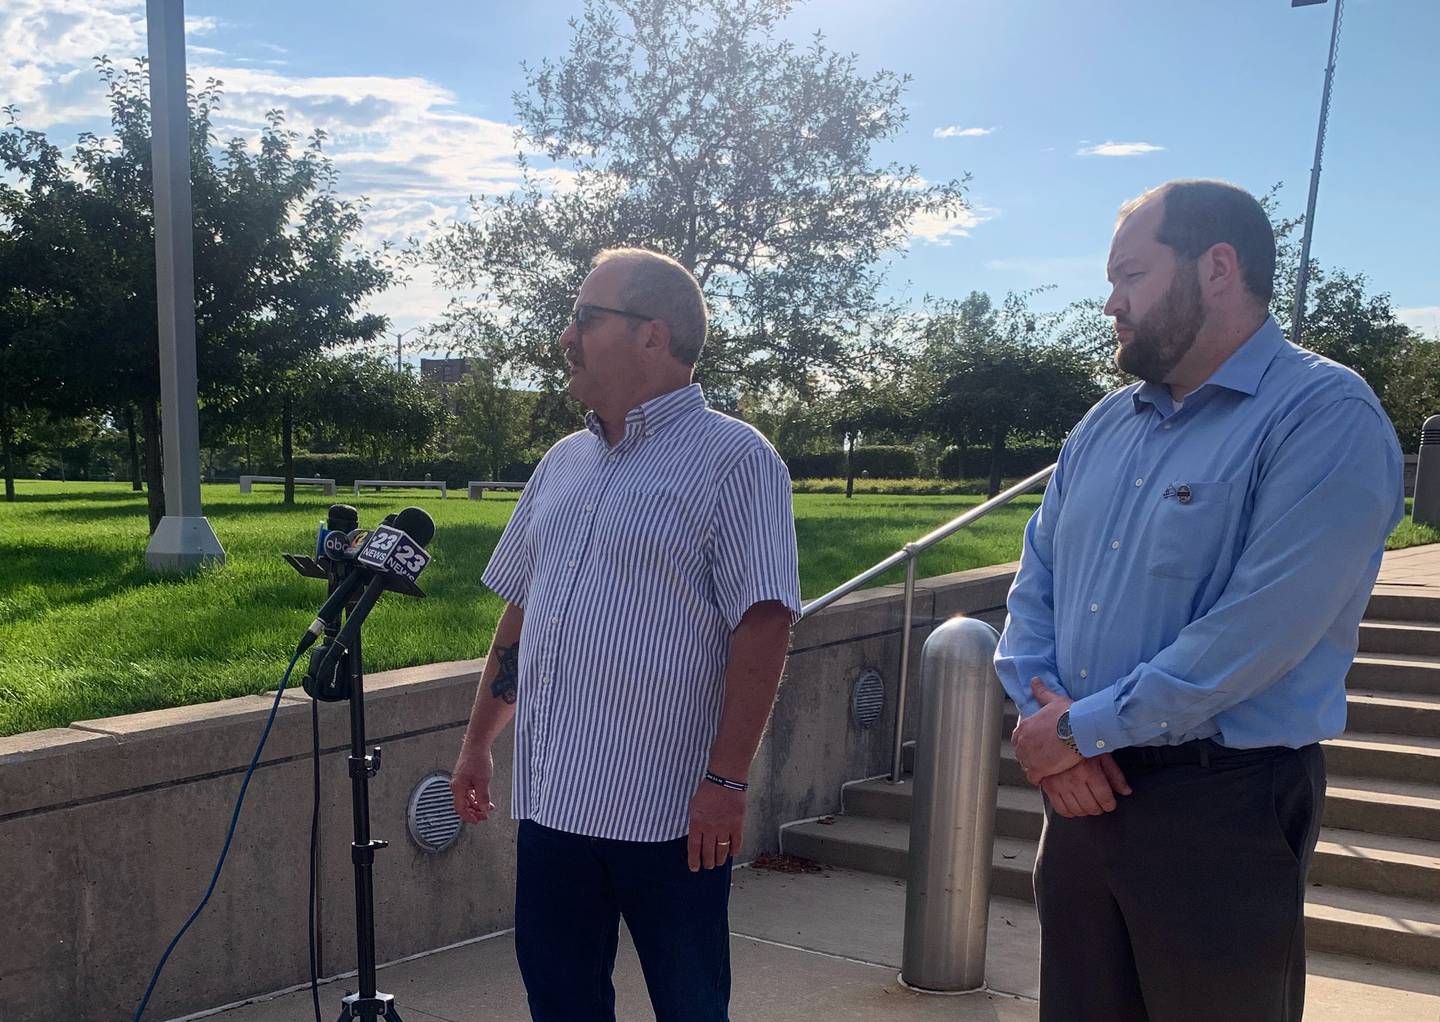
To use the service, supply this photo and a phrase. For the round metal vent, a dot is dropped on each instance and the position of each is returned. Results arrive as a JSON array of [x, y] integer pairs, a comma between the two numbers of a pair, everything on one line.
[[867, 699], [431, 815]]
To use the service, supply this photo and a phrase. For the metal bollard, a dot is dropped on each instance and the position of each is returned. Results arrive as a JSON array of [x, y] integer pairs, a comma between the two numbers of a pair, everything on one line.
[[952, 819], [1427, 475]]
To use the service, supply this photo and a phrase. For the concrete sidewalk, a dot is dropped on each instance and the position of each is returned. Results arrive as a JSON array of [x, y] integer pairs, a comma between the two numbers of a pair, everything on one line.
[[818, 948]]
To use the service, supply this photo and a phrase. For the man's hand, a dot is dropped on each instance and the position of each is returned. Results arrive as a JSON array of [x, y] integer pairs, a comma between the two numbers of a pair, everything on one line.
[[1038, 748], [717, 824], [470, 784], [1086, 789]]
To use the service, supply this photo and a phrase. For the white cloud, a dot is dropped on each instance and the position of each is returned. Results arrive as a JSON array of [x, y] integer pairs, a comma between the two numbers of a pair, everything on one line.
[[1424, 319], [938, 229], [955, 131], [44, 43], [1119, 149]]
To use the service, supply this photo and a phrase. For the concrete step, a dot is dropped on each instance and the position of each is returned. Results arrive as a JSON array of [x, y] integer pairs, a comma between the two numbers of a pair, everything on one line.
[[1392, 928], [1379, 806], [1018, 809], [1392, 757], [1398, 864], [1409, 714], [1396, 930], [1378, 783], [883, 846], [1395, 672], [1385, 864], [1378, 899], [1417, 638], [1403, 603]]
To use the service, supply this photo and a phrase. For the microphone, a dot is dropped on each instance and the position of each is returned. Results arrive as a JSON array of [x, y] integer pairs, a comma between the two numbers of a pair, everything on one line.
[[390, 552], [348, 575]]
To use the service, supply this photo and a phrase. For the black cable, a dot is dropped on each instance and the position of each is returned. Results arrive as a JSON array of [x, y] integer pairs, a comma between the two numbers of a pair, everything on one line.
[[230, 835], [312, 908]]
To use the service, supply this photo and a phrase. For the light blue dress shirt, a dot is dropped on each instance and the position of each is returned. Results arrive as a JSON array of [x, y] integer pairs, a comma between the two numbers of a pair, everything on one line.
[[1200, 571]]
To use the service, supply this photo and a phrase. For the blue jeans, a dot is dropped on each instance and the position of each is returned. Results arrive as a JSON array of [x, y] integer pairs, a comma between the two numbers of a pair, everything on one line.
[[571, 892]]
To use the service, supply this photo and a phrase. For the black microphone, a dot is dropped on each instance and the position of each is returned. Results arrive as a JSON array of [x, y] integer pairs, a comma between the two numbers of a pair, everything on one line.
[[396, 557], [413, 521]]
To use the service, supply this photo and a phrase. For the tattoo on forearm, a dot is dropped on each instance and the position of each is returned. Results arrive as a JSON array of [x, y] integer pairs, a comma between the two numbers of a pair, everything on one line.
[[507, 680]]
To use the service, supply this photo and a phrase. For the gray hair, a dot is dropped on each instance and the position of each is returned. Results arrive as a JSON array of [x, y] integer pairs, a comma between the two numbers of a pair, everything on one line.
[[660, 287]]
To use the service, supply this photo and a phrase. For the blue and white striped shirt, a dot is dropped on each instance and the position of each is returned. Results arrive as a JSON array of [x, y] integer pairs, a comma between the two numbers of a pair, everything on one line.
[[634, 564]]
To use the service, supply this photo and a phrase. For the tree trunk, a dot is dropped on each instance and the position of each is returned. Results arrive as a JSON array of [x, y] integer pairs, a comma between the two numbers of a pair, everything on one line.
[[997, 454], [5, 443], [154, 466], [287, 428], [849, 466], [135, 484]]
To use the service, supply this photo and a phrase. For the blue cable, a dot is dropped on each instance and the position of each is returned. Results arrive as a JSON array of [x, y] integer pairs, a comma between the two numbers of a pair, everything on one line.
[[234, 819]]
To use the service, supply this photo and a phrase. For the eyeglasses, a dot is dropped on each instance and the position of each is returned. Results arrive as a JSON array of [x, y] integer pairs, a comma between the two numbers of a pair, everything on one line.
[[583, 315]]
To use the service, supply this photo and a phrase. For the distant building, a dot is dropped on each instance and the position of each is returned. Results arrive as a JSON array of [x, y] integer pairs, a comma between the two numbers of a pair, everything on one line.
[[444, 370]]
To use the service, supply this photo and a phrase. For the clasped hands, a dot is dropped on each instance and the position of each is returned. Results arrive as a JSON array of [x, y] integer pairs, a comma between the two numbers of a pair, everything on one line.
[[1075, 786]]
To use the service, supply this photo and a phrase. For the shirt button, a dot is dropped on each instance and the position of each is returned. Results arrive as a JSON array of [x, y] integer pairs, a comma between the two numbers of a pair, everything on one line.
[[555, 620], [1167, 425], [590, 507], [1140, 482], [1100, 743], [1114, 544], [1084, 673], [1094, 607], [545, 680], [1165, 723], [570, 565]]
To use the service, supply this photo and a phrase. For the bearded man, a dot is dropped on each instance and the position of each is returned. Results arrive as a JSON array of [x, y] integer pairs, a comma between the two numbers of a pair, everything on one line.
[[1186, 610]]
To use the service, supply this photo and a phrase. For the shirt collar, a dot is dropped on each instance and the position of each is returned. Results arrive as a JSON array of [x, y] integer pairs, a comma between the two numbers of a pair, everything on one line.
[[655, 414], [1241, 372]]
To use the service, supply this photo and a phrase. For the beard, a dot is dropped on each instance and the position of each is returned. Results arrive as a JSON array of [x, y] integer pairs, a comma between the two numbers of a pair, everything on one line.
[[1167, 332]]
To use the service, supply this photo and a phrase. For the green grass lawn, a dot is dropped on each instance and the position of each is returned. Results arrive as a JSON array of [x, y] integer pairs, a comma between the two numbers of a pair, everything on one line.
[[87, 632]]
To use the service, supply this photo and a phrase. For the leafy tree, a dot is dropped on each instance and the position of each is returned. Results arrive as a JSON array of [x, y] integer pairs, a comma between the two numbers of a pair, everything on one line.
[[385, 414], [491, 418], [276, 279], [997, 374], [690, 127]]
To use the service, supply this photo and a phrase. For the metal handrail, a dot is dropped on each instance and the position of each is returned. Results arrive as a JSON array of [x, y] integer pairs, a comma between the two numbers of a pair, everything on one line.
[[908, 554]]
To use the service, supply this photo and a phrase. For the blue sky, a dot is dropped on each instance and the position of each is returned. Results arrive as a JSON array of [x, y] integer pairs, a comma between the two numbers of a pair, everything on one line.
[[1059, 109]]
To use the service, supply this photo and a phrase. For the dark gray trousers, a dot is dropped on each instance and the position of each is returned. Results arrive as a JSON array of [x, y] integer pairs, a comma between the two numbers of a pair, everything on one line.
[[1187, 903]]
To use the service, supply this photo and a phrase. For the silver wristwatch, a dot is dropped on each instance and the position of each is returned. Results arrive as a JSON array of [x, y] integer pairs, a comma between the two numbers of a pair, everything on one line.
[[1063, 732]]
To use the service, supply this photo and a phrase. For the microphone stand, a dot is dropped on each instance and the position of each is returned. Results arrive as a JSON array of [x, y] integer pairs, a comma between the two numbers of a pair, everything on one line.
[[367, 1003]]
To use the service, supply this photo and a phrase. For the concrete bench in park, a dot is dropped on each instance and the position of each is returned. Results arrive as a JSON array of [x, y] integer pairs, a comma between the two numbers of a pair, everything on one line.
[[478, 488], [247, 481], [380, 484]]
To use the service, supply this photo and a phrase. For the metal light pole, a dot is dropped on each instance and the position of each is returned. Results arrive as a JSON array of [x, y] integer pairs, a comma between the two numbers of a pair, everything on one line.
[[398, 336], [1303, 277], [183, 541]]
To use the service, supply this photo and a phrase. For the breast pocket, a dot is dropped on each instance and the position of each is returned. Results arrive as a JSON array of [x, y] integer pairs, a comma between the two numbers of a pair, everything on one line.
[[1189, 529]]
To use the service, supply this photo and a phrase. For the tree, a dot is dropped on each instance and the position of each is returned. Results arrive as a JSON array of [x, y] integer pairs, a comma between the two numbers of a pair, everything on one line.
[[689, 127], [387, 415], [998, 374], [276, 277], [490, 418]]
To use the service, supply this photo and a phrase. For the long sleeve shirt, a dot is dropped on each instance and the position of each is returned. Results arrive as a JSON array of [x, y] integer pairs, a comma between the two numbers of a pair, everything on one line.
[[1199, 570]]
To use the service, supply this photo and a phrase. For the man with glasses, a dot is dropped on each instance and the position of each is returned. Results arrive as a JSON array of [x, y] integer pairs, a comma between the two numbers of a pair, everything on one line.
[[649, 573]]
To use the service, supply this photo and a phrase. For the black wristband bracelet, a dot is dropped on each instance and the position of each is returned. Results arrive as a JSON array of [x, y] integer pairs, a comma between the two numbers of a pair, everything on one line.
[[725, 782]]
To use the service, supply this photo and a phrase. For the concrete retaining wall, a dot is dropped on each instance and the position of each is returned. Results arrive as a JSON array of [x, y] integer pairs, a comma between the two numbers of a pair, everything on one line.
[[109, 829]]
